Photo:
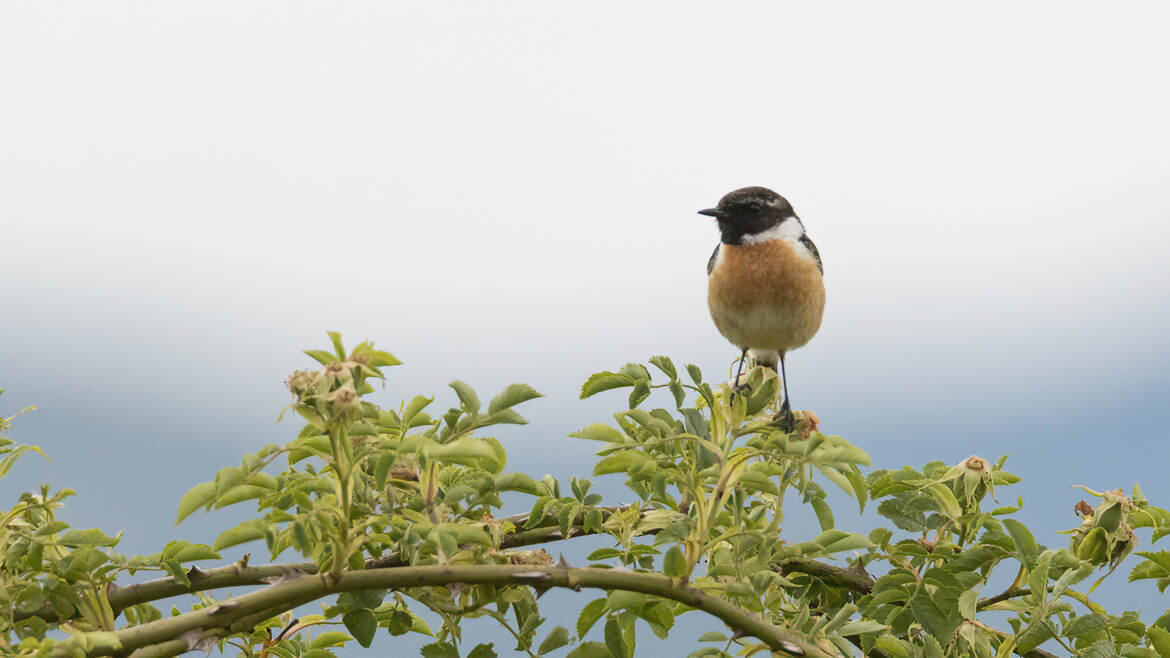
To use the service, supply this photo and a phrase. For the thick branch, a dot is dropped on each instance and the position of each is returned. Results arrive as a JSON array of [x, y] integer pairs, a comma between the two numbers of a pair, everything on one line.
[[854, 579], [236, 615], [240, 575]]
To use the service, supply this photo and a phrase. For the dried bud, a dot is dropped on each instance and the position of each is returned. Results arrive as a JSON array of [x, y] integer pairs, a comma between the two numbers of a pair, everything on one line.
[[974, 463], [539, 557], [300, 381], [337, 371], [359, 359], [1084, 511], [809, 423], [344, 399], [926, 544]]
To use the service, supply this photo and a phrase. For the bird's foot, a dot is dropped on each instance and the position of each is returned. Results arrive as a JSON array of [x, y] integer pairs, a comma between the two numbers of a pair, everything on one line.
[[785, 420], [741, 388]]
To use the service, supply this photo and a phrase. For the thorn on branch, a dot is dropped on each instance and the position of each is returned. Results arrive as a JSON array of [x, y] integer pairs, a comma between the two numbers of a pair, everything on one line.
[[221, 608]]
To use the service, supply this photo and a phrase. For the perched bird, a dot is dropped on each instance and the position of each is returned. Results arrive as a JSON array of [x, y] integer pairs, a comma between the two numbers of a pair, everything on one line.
[[765, 288]]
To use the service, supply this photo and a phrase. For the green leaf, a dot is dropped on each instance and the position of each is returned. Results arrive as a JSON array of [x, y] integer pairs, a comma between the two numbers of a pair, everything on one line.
[[824, 513], [91, 537], [240, 493], [321, 356], [194, 552], [640, 393], [589, 616], [614, 640], [665, 365], [674, 564], [362, 624], [467, 397], [1160, 639], [604, 381], [511, 396], [1036, 634], [946, 500], [199, 496], [933, 618], [835, 541], [483, 651], [1086, 624], [556, 639], [468, 451], [518, 482], [1024, 542], [861, 626], [439, 650], [712, 636], [590, 650], [335, 338], [330, 639], [967, 601], [695, 373], [245, 532], [599, 432]]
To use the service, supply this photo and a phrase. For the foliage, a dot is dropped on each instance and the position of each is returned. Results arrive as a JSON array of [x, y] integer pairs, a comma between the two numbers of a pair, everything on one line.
[[396, 512]]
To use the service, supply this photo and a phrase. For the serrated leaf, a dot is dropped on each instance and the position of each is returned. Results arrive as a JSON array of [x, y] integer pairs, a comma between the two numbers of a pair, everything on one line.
[[589, 616], [439, 650], [604, 381], [665, 365], [557, 638], [467, 397], [1160, 639], [614, 640], [599, 432], [1022, 539], [640, 393], [330, 639], [861, 626], [674, 563], [590, 650], [199, 496], [91, 537], [362, 624], [483, 651], [245, 532], [239, 493], [511, 396]]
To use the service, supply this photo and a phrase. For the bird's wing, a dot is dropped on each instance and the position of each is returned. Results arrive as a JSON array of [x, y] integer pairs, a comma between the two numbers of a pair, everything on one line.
[[808, 244], [715, 257]]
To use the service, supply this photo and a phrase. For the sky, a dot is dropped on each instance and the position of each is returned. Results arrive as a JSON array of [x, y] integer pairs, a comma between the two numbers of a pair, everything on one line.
[[499, 192]]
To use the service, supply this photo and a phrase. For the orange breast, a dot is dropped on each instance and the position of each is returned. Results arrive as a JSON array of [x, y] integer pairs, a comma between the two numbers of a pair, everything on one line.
[[766, 295]]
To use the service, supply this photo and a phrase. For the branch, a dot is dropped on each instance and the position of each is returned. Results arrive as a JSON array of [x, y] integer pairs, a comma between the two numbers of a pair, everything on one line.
[[240, 574], [855, 579], [238, 615]]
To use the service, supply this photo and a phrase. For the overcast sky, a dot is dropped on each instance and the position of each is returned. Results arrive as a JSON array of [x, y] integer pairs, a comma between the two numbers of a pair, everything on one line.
[[192, 192]]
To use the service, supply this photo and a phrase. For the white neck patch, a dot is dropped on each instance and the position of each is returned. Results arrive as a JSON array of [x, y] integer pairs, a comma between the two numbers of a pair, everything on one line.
[[791, 230], [788, 229]]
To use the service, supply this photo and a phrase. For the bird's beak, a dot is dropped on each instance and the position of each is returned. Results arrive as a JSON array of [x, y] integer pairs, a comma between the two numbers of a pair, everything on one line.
[[713, 212]]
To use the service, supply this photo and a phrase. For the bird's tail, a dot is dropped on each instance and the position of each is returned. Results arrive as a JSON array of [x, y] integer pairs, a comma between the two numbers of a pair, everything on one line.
[[767, 358]]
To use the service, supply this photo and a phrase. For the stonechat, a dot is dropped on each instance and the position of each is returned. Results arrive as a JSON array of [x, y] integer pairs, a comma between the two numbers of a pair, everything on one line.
[[765, 285]]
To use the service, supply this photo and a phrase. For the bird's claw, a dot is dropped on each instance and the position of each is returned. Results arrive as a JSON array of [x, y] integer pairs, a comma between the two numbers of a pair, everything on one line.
[[785, 420], [744, 389]]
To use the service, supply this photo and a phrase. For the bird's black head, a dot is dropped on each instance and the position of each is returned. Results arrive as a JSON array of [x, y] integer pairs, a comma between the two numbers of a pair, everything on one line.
[[749, 211]]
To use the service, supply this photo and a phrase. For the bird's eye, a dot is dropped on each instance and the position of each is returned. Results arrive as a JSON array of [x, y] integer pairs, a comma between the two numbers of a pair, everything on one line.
[[754, 208]]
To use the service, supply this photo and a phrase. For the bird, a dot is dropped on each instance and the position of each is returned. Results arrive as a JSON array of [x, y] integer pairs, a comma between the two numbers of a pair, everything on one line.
[[765, 281]]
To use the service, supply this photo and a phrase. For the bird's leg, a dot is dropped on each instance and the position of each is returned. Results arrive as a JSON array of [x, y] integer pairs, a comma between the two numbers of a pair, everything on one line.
[[736, 387], [785, 419]]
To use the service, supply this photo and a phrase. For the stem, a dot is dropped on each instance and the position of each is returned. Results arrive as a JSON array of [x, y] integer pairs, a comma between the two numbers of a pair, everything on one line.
[[238, 615]]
